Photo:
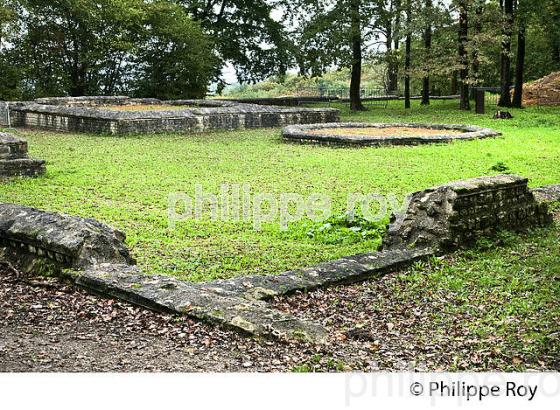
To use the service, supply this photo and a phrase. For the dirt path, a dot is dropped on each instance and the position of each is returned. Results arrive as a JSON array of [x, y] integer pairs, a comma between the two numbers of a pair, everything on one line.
[[47, 326]]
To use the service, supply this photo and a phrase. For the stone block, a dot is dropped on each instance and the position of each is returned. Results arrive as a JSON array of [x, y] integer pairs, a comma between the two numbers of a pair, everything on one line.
[[14, 160], [458, 213], [67, 241]]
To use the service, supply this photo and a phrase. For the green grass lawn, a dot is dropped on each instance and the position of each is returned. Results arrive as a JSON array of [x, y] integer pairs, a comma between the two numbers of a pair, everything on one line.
[[125, 182], [503, 291]]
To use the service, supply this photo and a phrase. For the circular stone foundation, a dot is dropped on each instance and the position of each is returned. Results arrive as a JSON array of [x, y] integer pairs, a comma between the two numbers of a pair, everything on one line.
[[376, 134]]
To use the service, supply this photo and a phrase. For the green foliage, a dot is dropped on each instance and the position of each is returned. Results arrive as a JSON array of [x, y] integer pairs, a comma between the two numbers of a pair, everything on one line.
[[499, 167], [76, 47], [346, 229], [175, 57], [321, 41], [11, 74], [245, 34], [10, 78]]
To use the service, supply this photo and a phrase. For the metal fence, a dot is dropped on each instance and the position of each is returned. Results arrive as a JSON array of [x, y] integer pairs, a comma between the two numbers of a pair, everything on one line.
[[539, 99], [491, 99], [380, 97], [369, 96]]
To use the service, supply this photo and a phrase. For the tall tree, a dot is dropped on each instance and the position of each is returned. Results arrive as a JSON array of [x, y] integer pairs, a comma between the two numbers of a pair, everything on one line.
[[552, 23], [76, 47], [333, 34], [240, 28], [505, 59], [463, 54], [10, 73], [476, 40], [389, 21], [525, 12], [428, 11], [396, 45], [6, 16], [174, 56], [408, 54], [356, 40], [519, 66], [72, 46]]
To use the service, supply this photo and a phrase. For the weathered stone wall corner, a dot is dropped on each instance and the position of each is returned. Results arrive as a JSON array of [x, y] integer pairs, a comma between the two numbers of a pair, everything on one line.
[[457, 214]]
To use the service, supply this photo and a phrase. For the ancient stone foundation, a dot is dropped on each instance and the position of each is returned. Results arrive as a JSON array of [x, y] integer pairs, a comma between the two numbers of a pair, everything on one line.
[[32, 238], [91, 114], [14, 160], [95, 257], [456, 214], [345, 134]]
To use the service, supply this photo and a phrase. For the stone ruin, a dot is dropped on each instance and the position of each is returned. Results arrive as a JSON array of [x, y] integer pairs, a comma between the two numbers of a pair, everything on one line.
[[14, 160], [341, 133], [437, 220], [92, 115], [33, 240], [456, 214], [95, 257]]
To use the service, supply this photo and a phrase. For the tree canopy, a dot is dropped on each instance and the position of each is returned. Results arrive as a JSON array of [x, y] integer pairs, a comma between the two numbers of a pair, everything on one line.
[[78, 47], [177, 48]]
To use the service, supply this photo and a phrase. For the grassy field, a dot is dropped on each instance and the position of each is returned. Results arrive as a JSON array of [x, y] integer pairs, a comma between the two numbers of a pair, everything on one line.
[[490, 308], [505, 292], [125, 182]]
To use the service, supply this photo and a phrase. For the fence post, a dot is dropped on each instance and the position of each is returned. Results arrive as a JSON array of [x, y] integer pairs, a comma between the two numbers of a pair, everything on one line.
[[479, 100]]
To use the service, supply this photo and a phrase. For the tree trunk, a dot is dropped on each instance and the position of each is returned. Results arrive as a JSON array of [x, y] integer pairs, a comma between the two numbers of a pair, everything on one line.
[[453, 86], [478, 10], [394, 68], [428, 48], [505, 71], [519, 67], [407, 56], [393, 37], [389, 58], [463, 55], [356, 78], [78, 81]]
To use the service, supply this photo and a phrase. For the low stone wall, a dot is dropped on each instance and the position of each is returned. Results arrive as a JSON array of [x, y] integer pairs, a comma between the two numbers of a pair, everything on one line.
[[14, 160], [437, 219], [22, 168], [31, 238], [320, 134], [350, 269], [168, 294], [12, 147], [87, 114], [84, 101], [95, 257], [549, 193], [456, 214]]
